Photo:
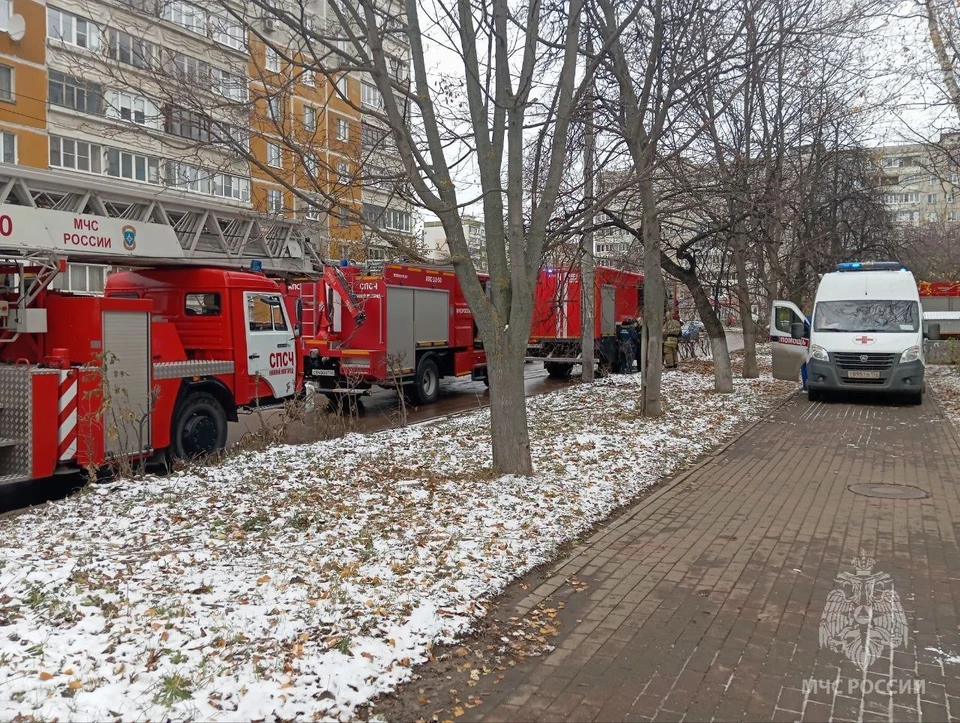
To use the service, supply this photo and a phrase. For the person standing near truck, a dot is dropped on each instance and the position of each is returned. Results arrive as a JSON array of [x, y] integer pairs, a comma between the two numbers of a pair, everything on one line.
[[671, 341]]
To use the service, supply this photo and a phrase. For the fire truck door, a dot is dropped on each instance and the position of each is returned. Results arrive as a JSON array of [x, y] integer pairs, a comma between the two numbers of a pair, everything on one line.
[[788, 353], [271, 352]]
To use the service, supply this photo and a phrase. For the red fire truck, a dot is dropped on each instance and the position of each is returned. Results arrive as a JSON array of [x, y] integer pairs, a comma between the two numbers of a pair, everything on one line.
[[555, 329], [160, 363], [405, 324]]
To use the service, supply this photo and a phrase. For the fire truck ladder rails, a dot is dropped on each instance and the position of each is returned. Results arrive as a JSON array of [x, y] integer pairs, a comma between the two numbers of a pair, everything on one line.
[[29, 290], [209, 232]]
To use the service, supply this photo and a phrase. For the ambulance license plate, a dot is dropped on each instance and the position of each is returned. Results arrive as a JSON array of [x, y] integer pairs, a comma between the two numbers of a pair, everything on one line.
[[324, 373], [855, 374]]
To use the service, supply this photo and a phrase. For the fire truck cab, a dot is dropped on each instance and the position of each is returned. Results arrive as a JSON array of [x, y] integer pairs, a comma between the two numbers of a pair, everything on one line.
[[176, 346]]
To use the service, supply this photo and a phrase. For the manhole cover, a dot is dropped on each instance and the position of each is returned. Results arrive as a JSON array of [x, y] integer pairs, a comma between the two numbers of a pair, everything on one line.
[[888, 492]]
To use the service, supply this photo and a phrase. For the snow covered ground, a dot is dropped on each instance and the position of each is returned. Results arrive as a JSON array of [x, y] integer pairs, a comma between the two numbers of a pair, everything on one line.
[[945, 380], [305, 580]]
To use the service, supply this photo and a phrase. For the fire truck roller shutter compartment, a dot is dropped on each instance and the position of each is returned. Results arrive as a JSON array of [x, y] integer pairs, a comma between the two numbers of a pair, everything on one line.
[[431, 310], [608, 313], [126, 343], [401, 349]]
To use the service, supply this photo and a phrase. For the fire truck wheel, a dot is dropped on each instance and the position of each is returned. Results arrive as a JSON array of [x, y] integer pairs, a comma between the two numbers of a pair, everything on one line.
[[200, 427], [426, 387], [558, 370]]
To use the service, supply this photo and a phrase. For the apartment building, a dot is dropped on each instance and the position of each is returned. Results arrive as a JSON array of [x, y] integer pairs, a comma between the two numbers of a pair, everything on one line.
[[920, 183], [184, 100], [437, 248]]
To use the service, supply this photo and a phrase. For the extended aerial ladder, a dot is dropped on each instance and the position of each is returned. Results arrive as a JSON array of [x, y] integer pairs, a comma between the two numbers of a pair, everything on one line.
[[183, 228], [48, 218]]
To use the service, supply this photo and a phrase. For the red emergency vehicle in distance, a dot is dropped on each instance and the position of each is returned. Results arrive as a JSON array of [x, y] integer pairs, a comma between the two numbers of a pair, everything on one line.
[[555, 329], [407, 324]]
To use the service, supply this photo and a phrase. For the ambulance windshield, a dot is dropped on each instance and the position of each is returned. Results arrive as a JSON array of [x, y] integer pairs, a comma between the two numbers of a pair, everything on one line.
[[867, 316]]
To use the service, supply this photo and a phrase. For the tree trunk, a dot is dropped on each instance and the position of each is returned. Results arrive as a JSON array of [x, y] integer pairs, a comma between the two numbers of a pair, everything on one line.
[[508, 418], [722, 370], [750, 369], [587, 261], [653, 303]]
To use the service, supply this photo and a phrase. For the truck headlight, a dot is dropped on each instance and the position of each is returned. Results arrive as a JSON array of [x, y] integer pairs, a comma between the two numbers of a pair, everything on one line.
[[910, 354], [819, 353]]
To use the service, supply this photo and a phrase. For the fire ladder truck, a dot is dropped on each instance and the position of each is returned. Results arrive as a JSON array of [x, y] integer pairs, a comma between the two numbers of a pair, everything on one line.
[[193, 332]]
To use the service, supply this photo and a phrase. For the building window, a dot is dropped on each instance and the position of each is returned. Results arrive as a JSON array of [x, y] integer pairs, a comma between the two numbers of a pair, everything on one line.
[[309, 118], [274, 201], [230, 85], [133, 166], [343, 129], [307, 77], [274, 156], [370, 96], [311, 164], [389, 219], [187, 124], [273, 107], [6, 10], [75, 155], [132, 108], [124, 48], [6, 82], [398, 68], [72, 29], [186, 16], [343, 86], [343, 217], [371, 136], [273, 61], [82, 279], [310, 208], [376, 253], [231, 136], [931, 198], [9, 143], [952, 216], [229, 32], [70, 92], [933, 180], [198, 180], [343, 173]]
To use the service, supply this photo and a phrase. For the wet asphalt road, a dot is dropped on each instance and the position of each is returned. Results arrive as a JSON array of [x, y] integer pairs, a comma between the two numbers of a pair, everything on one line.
[[383, 408]]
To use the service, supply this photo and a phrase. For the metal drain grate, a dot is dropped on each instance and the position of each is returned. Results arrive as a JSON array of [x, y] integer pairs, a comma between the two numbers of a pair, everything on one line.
[[888, 492]]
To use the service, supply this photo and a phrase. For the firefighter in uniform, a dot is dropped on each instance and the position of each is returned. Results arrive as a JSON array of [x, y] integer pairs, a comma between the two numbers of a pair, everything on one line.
[[671, 340]]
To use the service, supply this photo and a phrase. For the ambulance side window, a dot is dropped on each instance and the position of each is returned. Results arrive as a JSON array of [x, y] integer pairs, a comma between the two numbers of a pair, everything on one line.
[[785, 317]]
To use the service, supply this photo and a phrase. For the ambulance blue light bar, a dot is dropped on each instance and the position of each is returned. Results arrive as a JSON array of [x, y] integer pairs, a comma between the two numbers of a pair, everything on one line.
[[871, 266]]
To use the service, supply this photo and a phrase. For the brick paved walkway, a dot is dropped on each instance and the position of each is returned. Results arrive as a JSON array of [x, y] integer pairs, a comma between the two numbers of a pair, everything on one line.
[[705, 601]]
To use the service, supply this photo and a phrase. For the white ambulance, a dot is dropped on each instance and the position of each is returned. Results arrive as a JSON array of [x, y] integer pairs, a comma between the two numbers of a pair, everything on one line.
[[866, 333]]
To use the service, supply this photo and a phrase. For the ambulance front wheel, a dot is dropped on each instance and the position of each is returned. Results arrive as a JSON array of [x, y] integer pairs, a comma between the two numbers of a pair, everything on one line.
[[199, 428]]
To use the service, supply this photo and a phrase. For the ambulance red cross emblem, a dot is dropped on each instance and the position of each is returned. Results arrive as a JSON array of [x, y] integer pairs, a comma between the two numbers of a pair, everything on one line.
[[864, 340]]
